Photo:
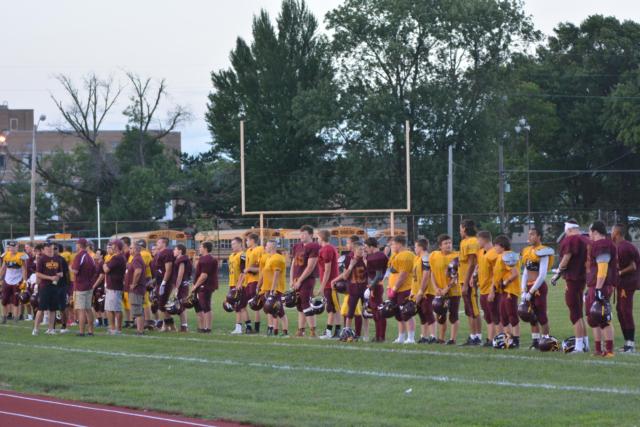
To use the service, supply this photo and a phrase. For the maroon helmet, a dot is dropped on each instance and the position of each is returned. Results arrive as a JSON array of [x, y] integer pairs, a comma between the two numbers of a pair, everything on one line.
[[600, 313], [526, 313], [318, 305], [452, 268], [549, 344], [33, 301], [408, 310], [24, 297], [388, 309], [440, 305], [227, 307], [256, 303], [341, 286], [291, 298], [233, 296], [190, 301], [272, 305]]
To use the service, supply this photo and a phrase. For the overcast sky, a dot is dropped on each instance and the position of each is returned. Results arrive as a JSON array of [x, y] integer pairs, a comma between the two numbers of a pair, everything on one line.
[[181, 41]]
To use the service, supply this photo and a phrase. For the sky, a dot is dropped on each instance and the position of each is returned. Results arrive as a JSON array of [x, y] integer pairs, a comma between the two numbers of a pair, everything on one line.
[[180, 41]]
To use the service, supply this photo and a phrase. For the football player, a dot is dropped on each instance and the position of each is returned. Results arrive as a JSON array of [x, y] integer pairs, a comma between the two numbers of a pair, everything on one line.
[[505, 277], [423, 292], [136, 285], [12, 273], [98, 282], [356, 275], [399, 284], [163, 262], [572, 267], [601, 280], [237, 266], [304, 273], [252, 274], [536, 259], [114, 271], [126, 307], [274, 280], [446, 286], [149, 282], [264, 287], [468, 258], [328, 266], [84, 270], [343, 263], [376, 262], [489, 296], [181, 278], [628, 263], [206, 283]]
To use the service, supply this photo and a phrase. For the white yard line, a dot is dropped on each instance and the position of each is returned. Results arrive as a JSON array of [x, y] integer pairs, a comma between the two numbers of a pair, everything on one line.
[[341, 371]]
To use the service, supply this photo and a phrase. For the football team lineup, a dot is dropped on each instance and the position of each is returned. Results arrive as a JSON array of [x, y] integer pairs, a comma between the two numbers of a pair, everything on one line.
[[420, 293]]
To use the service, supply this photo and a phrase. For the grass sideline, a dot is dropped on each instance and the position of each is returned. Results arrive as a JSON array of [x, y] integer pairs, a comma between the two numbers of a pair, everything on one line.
[[276, 381]]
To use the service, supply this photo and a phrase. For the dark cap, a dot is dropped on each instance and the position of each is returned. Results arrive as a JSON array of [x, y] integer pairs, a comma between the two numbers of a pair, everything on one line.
[[141, 243], [12, 243], [82, 241], [117, 244], [48, 243]]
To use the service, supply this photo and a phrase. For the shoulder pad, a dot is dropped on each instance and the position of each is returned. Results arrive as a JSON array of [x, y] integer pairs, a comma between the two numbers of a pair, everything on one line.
[[243, 257], [510, 258], [605, 257], [545, 251], [342, 259], [24, 257], [425, 262]]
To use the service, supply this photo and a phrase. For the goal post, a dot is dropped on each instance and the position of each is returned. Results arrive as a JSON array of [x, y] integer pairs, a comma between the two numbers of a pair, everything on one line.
[[391, 212]]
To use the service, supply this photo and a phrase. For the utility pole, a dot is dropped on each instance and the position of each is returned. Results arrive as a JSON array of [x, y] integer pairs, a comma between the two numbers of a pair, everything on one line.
[[98, 208], [503, 227], [450, 194]]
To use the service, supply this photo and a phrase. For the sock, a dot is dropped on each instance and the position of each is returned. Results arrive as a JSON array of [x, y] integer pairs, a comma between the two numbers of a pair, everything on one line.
[[630, 343], [256, 325], [275, 332], [579, 344], [598, 346], [337, 331], [608, 344], [632, 335], [479, 336], [186, 325], [585, 339], [516, 340], [535, 336], [402, 336], [330, 328]]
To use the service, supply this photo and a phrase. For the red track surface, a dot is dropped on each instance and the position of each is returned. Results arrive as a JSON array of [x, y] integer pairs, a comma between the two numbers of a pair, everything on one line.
[[17, 409]]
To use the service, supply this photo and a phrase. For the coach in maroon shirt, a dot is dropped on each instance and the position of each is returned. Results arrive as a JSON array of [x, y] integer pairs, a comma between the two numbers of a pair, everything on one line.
[[628, 264], [206, 283], [114, 271], [84, 270]]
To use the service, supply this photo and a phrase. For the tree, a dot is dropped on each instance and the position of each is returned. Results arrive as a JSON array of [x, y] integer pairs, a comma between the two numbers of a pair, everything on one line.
[[284, 67]]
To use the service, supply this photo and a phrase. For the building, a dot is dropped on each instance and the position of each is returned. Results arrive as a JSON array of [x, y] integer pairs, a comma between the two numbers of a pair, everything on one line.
[[17, 125]]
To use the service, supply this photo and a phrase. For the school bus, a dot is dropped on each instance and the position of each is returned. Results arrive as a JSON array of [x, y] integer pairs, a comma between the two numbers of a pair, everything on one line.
[[175, 237], [221, 239], [384, 236], [65, 239]]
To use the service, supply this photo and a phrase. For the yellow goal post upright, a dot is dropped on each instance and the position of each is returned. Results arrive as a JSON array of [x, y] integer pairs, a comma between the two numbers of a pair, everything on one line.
[[391, 212]]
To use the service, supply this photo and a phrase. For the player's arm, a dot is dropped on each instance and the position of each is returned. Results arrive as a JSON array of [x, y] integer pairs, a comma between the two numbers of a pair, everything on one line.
[[628, 269], [564, 262], [168, 269], [542, 274], [136, 275], [292, 280], [402, 276], [327, 273], [3, 270], [180, 274], [603, 268], [426, 277], [199, 281], [523, 280], [473, 262], [98, 281], [276, 276], [432, 277], [311, 265], [241, 275]]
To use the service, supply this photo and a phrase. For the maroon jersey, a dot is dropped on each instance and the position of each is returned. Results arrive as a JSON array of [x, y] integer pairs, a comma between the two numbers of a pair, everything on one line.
[[86, 271], [359, 272], [328, 254], [182, 259], [138, 287], [31, 265], [301, 254], [161, 259], [209, 265], [603, 249], [628, 253], [99, 271], [376, 263], [576, 268], [49, 266], [115, 277]]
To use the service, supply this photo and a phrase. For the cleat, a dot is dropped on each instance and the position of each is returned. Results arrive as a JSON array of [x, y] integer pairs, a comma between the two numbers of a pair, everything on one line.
[[34, 332], [423, 340], [451, 342], [468, 342], [487, 343], [608, 354]]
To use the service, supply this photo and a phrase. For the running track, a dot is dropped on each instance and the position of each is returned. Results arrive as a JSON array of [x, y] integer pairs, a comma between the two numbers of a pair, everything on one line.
[[26, 410]]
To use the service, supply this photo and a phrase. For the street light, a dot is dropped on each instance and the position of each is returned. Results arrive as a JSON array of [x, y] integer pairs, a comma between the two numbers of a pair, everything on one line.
[[32, 205], [523, 126]]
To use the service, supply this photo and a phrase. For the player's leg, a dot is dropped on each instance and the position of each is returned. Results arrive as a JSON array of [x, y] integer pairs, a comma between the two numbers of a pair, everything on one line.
[[454, 320]]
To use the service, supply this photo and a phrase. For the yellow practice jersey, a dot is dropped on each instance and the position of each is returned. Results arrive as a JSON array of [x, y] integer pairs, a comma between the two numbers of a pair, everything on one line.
[[486, 261], [253, 256], [531, 256], [420, 268], [503, 269], [274, 262], [67, 256], [468, 247], [236, 268], [439, 262], [107, 258], [401, 263], [14, 267], [147, 258]]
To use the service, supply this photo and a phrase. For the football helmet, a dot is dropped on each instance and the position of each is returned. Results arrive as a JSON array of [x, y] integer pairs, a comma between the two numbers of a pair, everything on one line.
[[318, 305], [569, 345], [452, 268], [272, 305], [227, 307], [388, 309], [549, 344], [24, 297], [408, 310], [502, 341], [600, 313], [526, 313], [291, 298], [233, 296], [341, 286], [173, 306], [440, 305], [347, 335], [256, 303], [191, 301]]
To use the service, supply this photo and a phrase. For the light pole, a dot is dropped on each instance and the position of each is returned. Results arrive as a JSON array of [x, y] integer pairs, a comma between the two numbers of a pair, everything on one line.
[[501, 201], [523, 126], [32, 205]]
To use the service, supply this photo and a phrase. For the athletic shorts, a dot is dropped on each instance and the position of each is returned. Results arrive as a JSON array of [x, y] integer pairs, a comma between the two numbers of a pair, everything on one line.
[[331, 296], [82, 300], [113, 300], [344, 307], [48, 298], [9, 294], [125, 301], [135, 302], [204, 299], [400, 298], [305, 290], [471, 302]]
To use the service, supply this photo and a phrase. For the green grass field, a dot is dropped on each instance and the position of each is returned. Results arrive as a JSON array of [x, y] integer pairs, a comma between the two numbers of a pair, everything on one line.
[[294, 382]]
